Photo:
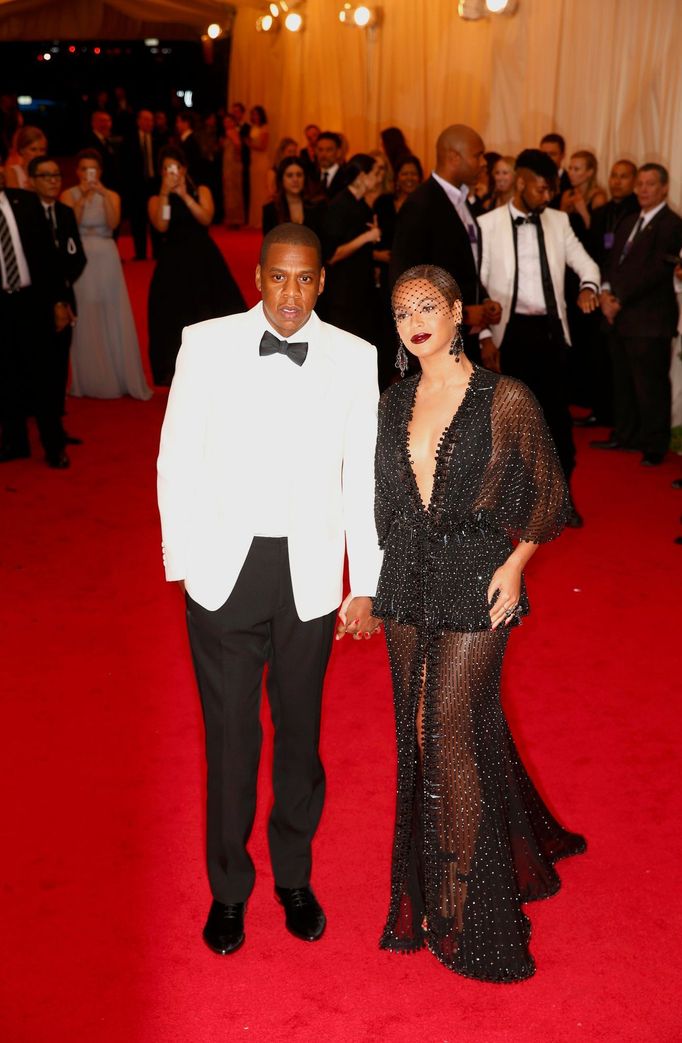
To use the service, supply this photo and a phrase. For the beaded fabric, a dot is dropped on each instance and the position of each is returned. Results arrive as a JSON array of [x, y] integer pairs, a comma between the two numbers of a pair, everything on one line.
[[473, 839]]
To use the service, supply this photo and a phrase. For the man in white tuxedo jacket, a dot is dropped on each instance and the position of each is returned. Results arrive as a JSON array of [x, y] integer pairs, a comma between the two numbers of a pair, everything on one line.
[[265, 478], [526, 247]]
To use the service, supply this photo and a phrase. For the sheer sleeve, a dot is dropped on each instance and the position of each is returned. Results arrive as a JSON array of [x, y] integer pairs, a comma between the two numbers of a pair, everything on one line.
[[523, 487], [383, 497]]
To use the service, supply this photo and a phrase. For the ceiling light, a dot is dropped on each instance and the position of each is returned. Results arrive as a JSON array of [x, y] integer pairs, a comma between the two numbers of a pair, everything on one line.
[[361, 16], [293, 22], [213, 31], [266, 24]]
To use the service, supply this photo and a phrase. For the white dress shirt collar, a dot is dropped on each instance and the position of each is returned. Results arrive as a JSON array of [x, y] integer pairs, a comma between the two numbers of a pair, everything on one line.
[[650, 214], [457, 196]]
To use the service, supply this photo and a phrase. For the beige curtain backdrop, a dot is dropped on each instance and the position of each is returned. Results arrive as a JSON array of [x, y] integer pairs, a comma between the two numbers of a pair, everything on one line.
[[113, 19], [607, 75]]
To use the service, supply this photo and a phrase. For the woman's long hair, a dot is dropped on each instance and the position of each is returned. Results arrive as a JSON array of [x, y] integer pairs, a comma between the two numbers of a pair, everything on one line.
[[280, 200]]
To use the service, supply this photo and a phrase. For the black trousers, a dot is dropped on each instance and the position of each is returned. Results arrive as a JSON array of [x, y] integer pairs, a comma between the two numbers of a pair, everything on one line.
[[28, 386], [534, 354], [641, 391], [258, 625]]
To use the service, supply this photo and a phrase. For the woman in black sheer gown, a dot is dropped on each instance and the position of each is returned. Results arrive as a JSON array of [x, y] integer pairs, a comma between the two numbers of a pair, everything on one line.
[[467, 485], [191, 281]]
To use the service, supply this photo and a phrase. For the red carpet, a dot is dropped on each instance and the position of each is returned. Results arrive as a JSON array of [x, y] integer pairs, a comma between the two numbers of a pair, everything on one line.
[[103, 885]]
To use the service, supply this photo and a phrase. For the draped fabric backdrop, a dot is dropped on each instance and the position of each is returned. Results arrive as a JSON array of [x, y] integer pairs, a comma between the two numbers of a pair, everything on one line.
[[606, 75]]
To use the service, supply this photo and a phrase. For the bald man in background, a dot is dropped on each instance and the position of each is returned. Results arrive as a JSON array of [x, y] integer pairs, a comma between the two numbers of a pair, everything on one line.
[[436, 226]]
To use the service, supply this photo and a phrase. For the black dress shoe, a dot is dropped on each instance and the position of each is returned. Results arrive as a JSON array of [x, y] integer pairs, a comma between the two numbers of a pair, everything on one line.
[[58, 461], [72, 440], [224, 930], [606, 443], [7, 454], [586, 421], [574, 520], [304, 915], [651, 459]]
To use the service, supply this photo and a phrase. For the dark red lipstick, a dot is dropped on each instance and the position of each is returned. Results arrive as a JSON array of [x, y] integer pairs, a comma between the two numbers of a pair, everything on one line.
[[419, 338]]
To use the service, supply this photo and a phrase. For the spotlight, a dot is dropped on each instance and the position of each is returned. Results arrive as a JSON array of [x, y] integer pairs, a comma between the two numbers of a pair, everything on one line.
[[213, 31], [72, 49], [502, 6], [359, 16], [274, 10], [151, 41], [471, 10], [96, 50], [293, 22], [47, 57], [266, 24]]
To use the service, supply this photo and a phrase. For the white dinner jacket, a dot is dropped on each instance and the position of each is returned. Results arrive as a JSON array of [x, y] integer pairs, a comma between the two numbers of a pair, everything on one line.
[[206, 469], [498, 261]]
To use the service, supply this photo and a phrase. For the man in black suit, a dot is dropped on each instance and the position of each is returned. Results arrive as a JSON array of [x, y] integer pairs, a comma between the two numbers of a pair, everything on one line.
[[435, 226], [639, 304], [46, 180], [139, 177], [238, 110], [331, 170], [99, 139], [32, 304], [188, 141], [601, 237], [554, 146]]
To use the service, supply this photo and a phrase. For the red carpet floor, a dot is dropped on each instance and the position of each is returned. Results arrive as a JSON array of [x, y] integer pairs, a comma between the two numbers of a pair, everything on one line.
[[103, 886]]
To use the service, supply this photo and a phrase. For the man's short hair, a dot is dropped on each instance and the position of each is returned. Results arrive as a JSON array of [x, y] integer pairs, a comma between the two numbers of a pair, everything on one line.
[[538, 162], [554, 139], [626, 163], [660, 170], [330, 135], [291, 235], [38, 161]]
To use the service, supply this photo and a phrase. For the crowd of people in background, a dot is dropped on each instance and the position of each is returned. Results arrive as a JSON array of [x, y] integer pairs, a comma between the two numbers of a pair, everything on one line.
[[173, 175]]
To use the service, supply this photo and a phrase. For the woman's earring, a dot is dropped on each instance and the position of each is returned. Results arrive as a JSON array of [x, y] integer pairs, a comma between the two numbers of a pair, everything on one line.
[[401, 360], [457, 346]]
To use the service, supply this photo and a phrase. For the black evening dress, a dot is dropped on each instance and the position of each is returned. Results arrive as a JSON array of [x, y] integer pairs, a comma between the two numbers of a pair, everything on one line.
[[349, 298], [191, 282], [473, 838]]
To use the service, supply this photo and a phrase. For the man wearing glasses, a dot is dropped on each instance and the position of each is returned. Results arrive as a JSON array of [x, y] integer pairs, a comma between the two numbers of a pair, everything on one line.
[[46, 180]]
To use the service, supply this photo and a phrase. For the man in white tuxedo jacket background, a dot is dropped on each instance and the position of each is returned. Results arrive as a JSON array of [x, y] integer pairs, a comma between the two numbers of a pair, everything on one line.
[[525, 250], [265, 478]]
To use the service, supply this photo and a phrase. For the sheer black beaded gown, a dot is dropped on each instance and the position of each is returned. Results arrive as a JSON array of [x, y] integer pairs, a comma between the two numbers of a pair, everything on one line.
[[473, 839]]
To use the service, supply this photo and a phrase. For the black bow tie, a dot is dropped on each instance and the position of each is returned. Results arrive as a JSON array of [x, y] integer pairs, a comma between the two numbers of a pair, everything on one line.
[[532, 219], [271, 345]]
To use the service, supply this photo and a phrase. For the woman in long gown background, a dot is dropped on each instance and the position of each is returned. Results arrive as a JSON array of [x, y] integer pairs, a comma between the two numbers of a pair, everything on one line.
[[257, 142], [105, 353], [465, 469], [191, 281]]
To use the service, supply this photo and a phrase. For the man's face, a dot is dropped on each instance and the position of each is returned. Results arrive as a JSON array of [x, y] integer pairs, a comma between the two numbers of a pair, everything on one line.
[[101, 124], [47, 181], [238, 113], [327, 153], [160, 122], [553, 150], [312, 133], [145, 121], [649, 189], [621, 181], [468, 161], [535, 192], [290, 281]]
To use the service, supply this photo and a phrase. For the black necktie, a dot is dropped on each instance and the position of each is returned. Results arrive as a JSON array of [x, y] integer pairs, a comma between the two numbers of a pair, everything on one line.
[[9, 256], [631, 241], [325, 175], [52, 221], [271, 345], [545, 274]]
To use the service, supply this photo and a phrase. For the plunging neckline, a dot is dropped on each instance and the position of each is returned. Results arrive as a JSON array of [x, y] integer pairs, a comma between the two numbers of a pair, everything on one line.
[[426, 507]]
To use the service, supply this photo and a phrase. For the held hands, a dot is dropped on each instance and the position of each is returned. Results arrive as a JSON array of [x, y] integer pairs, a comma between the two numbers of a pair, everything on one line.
[[506, 582], [357, 619], [588, 301], [492, 312], [610, 306]]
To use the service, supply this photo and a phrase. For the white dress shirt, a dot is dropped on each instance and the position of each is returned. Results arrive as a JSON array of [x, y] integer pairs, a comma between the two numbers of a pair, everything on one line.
[[24, 273], [329, 174], [458, 198], [280, 396], [530, 296]]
